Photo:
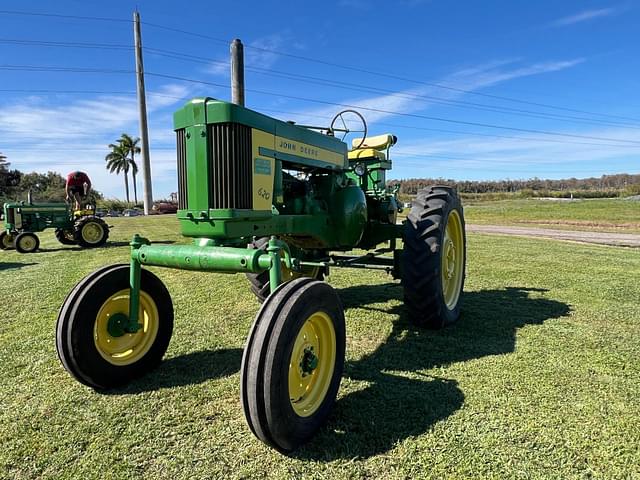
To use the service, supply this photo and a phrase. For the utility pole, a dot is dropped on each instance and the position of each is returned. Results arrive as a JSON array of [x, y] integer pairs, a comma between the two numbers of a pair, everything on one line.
[[237, 72], [142, 110]]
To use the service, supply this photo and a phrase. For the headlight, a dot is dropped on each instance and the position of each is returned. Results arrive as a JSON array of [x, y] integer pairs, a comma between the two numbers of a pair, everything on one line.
[[359, 169]]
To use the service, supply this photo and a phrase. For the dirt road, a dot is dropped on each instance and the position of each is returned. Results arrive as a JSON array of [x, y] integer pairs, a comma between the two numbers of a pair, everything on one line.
[[602, 238]]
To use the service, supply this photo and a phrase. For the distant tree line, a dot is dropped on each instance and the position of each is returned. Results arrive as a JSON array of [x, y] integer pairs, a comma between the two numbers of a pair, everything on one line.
[[613, 185], [45, 187]]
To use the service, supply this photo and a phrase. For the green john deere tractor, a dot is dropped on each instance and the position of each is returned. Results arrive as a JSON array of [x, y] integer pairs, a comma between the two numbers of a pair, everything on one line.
[[23, 219], [283, 204]]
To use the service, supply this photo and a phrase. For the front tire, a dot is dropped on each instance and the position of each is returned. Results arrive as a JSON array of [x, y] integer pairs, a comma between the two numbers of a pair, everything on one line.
[[292, 363], [7, 241], [27, 242], [434, 256], [87, 346]]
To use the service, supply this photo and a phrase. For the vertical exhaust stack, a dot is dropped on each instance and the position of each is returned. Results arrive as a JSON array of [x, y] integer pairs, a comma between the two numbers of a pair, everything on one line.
[[237, 72]]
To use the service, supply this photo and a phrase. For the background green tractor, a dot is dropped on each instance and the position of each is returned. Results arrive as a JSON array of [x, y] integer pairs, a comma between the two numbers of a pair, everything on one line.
[[283, 204], [23, 219]]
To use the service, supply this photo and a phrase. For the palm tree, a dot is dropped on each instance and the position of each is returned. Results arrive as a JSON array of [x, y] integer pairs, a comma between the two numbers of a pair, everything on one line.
[[130, 144], [134, 172], [118, 161]]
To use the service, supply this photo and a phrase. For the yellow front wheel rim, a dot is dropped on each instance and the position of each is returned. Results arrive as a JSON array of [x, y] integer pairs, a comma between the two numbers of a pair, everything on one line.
[[311, 365], [92, 232], [452, 260], [28, 243], [7, 241], [130, 347]]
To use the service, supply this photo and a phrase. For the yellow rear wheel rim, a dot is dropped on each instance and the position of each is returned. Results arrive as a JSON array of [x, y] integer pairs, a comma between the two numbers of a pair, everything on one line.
[[92, 232], [452, 260], [130, 347], [311, 365]]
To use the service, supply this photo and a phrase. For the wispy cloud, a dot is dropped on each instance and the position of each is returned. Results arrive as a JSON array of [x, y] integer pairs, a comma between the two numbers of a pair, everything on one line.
[[584, 16], [469, 79]]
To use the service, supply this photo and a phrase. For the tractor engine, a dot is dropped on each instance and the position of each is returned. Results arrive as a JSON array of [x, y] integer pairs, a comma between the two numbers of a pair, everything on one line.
[[242, 174]]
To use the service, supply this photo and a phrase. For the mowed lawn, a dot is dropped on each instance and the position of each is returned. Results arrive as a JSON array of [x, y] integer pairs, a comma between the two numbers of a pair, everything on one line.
[[539, 379], [611, 214]]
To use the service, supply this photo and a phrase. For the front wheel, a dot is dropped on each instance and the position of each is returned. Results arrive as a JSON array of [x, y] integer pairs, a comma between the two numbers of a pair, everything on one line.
[[27, 242], [91, 343], [292, 363], [433, 262], [6, 240]]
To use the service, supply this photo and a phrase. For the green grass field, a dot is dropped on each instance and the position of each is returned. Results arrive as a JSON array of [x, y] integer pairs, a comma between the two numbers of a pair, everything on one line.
[[539, 379], [613, 215]]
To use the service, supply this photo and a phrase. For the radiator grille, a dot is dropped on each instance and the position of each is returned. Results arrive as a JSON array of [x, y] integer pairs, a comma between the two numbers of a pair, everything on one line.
[[230, 156], [182, 168]]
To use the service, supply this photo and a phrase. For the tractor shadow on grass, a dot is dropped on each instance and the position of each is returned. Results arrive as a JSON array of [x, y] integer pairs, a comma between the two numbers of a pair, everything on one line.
[[14, 265], [189, 369], [396, 405]]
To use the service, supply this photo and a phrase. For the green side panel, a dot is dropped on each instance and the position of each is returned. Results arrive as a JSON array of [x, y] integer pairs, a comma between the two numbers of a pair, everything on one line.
[[197, 167], [378, 178]]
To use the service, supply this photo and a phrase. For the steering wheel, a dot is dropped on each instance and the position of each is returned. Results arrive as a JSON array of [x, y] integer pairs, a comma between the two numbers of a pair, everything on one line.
[[351, 117]]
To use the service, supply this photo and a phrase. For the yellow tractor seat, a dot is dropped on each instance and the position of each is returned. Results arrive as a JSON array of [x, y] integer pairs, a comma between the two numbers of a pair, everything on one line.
[[372, 147], [366, 153], [379, 142], [83, 212]]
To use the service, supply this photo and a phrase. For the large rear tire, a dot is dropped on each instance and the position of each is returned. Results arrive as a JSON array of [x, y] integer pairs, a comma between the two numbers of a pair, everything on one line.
[[260, 281], [91, 232], [433, 260], [292, 363], [89, 346]]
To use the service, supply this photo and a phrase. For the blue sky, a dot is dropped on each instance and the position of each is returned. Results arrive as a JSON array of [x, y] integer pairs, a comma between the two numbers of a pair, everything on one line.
[[448, 66]]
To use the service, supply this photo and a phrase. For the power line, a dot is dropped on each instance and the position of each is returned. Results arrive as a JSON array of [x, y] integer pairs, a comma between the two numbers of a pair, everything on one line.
[[45, 68], [459, 132], [411, 127], [185, 32], [395, 77], [57, 15], [327, 63], [42, 43], [369, 89], [73, 92], [412, 115]]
